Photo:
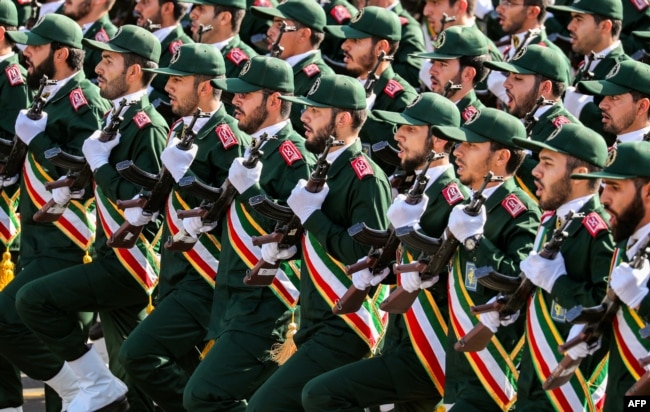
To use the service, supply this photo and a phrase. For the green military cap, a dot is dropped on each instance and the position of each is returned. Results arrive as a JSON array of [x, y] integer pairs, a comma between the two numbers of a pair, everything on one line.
[[625, 161], [195, 58], [334, 90], [485, 125], [574, 140], [535, 59], [307, 12], [370, 21], [259, 72], [52, 27], [8, 13], [455, 42], [427, 109], [240, 4], [626, 76], [130, 39], [611, 9]]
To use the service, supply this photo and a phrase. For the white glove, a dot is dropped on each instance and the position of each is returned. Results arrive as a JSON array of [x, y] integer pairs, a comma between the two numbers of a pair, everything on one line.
[[364, 278], [242, 177], [411, 281], [178, 161], [63, 195], [304, 203], [543, 272], [581, 350], [194, 226], [97, 152], [492, 320], [402, 214], [136, 217], [27, 129], [575, 101], [495, 85], [630, 284], [8, 181], [271, 253], [463, 225]]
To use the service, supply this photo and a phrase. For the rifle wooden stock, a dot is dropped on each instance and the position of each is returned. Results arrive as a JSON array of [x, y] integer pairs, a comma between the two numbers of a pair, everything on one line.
[[363, 264], [562, 373], [262, 274], [125, 236], [351, 300], [486, 307], [640, 387], [475, 340], [399, 301], [180, 242], [197, 211], [269, 238]]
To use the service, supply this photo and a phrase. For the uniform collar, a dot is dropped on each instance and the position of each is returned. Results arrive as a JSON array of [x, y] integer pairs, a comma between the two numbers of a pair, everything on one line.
[[162, 33], [633, 243], [635, 136], [221, 44], [6, 56], [575, 205], [294, 60]]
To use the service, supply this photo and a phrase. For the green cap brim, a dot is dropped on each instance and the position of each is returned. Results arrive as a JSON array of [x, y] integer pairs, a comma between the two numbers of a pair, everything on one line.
[[602, 88], [28, 38], [568, 9], [458, 134], [535, 146], [104, 46], [645, 35], [235, 85], [435, 56], [508, 67], [304, 100], [346, 32], [601, 175], [269, 13], [398, 118], [169, 72]]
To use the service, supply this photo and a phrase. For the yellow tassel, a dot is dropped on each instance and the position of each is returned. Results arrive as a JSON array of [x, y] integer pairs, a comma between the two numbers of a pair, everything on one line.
[[281, 352], [206, 349], [87, 258], [150, 306], [6, 269]]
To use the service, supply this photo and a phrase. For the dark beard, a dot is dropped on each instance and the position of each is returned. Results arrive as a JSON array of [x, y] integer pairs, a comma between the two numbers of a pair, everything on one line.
[[187, 107], [255, 120], [45, 68], [84, 10], [561, 192], [418, 160], [522, 110], [317, 143], [628, 219]]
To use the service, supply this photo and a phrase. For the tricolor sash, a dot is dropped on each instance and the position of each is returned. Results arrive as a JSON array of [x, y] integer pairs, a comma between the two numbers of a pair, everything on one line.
[[493, 365], [9, 221], [241, 229], [204, 256], [77, 222], [331, 281], [140, 261]]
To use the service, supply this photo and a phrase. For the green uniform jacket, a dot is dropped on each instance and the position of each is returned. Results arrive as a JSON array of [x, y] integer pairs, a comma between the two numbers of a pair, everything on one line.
[[277, 180], [350, 200], [253, 28], [66, 128], [210, 166], [235, 54], [305, 74], [587, 259], [168, 46], [633, 20], [338, 12], [507, 240], [14, 95], [102, 30], [412, 41], [143, 145], [393, 95]]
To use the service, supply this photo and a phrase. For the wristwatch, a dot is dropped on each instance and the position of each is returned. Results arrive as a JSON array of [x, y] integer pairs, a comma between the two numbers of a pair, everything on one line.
[[471, 242]]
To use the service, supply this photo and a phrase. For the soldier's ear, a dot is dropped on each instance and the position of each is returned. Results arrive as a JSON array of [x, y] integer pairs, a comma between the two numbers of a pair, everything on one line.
[[61, 55]]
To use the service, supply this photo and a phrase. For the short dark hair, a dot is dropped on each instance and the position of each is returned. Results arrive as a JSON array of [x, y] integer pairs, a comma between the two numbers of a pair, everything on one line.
[[516, 156], [617, 25], [180, 8], [316, 37], [75, 58], [471, 5], [478, 63], [393, 45], [236, 13], [358, 116], [131, 58], [573, 162], [200, 78], [557, 87], [542, 4]]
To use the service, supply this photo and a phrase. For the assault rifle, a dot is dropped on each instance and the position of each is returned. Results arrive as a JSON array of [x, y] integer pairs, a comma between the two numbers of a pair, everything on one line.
[[383, 244], [33, 16], [79, 174], [202, 30], [276, 49], [288, 229], [451, 86], [444, 20], [158, 187], [530, 35], [216, 201], [435, 253], [372, 74], [401, 179], [513, 292], [150, 26], [529, 119], [590, 58]]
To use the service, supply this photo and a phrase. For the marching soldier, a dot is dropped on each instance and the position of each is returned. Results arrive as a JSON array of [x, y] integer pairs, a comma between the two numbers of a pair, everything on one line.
[[338, 12], [253, 28], [51, 305]]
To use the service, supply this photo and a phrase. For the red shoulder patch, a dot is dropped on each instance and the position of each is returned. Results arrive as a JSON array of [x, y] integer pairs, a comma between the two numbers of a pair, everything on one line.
[[393, 88], [23, 2], [541, 43], [513, 205], [560, 120], [77, 99], [13, 75], [262, 3], [311, 70], [237, 55], [468, 113], [452, 194], [175, 45], [547, 215], [361, 167], [141, 119], [594, 223], [226, 135], [403, 20], [289, 152], [102, 36], [640, 5], [340, 14]]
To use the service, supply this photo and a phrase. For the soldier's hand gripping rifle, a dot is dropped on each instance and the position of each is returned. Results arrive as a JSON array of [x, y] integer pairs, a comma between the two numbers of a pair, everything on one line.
[[384, 244], [513, 292], [435, 253], [401, 179], [156, 189], [16, 157], [276, 49], [529, 119], [596, 320], [216, 201], [288, 229], [79, 174], [372, 74]]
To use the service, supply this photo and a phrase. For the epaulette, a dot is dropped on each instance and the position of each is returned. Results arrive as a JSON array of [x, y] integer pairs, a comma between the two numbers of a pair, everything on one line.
[[23, 2], [468, 112], [543, 44], [361, 167], [13, 75], [340, 14], [560, 120], [262, 3], [547, 215], [289, 152], [311, 70], [513, 205], [393, 88], [102, 36], [226, 135], [175, 45], [403, 20], [141, 119], [640, 5], [452, 194], [237, 55], [77, 99], [594, 223]]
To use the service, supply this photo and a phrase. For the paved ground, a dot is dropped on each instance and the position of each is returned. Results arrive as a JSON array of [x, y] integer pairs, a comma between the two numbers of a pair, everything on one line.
[[34, 395]]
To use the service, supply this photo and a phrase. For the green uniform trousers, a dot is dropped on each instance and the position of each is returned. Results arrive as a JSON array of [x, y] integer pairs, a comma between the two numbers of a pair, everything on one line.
[[161, 353], [11, 391], [50, 306]]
